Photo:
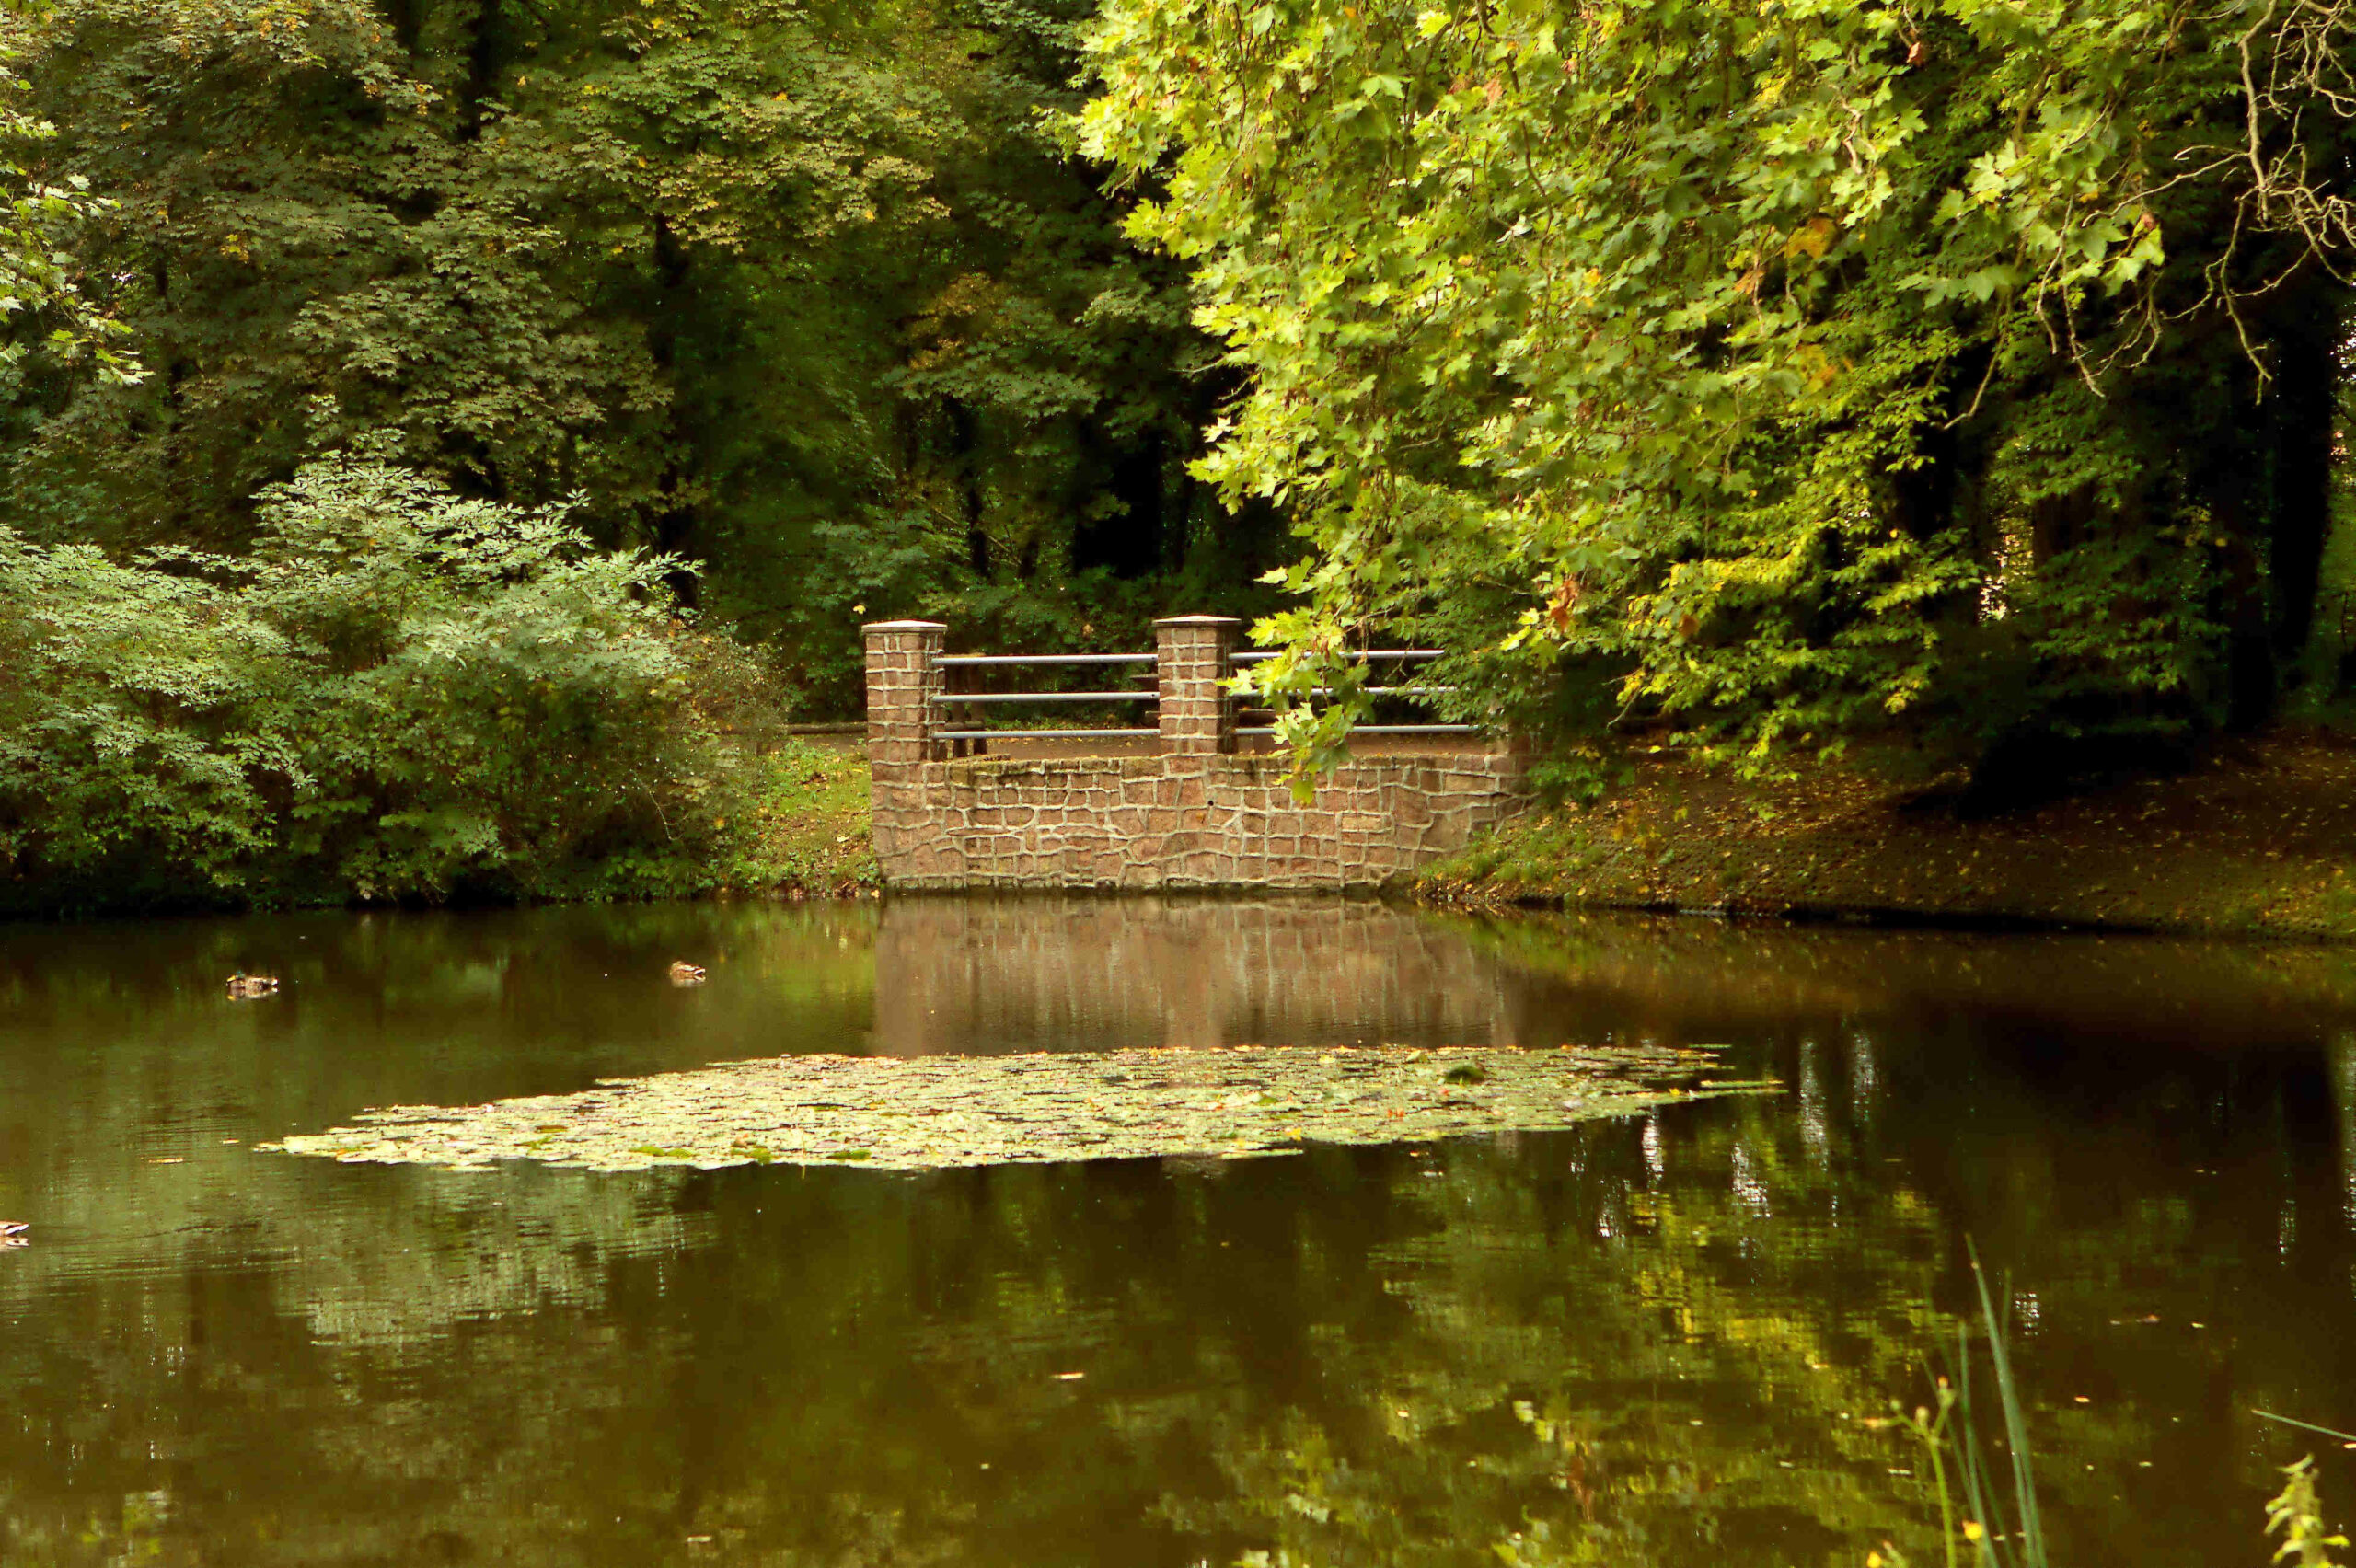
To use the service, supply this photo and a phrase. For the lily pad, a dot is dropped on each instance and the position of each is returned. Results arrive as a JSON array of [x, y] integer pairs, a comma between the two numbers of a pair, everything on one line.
[[891, 1114]]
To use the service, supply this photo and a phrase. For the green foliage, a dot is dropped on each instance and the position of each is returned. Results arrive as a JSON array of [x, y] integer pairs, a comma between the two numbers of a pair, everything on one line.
[[43, 297], [804, 293], [2296, 1515], [798, 311], [1949, 1437], [1800, 370], [399, 694], [803, 823]]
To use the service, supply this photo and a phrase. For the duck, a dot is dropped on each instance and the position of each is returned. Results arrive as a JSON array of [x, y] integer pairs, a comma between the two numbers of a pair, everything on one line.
[[244, 987], [686, 973], [12, 1232]]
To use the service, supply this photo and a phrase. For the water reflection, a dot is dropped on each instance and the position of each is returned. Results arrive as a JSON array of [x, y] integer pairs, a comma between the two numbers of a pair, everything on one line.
[[967, 973], [2343, 1083], [1636, 1343]]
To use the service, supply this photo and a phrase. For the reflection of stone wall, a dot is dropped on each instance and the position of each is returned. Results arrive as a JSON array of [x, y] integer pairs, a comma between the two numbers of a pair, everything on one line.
[[969, 975]]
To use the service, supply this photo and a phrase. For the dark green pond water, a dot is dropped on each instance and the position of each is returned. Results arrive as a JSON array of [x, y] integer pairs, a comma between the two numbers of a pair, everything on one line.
[[1639, 1343]]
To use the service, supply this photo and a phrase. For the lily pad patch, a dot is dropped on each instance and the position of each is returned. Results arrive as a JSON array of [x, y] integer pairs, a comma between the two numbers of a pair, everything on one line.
[[928, 1112]]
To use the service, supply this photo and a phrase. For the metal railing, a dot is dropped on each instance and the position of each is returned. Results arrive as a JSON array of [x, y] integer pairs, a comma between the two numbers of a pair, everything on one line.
[[983, 703], [976, 661], [1013, 660], [1370, 656]]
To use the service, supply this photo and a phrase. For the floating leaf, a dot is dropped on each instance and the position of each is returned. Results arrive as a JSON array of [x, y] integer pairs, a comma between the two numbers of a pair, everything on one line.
[[935, 1112]]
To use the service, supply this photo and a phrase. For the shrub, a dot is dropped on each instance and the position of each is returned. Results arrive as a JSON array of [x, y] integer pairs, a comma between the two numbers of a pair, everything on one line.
[[401, 693]]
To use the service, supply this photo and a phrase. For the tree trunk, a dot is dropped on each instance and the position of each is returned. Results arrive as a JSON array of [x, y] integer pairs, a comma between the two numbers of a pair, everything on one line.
[[2305, 389]]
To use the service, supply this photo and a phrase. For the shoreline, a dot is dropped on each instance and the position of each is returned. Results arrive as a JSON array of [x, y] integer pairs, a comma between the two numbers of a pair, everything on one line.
[[2254, 839]]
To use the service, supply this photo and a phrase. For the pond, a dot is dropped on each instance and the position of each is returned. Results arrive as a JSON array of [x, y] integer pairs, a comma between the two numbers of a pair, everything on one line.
[[1653, 1340]]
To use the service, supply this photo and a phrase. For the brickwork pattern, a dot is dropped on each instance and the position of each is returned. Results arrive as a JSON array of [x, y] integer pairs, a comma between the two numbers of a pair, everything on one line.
[[1190, 669], [903, 691], [1172, 822]]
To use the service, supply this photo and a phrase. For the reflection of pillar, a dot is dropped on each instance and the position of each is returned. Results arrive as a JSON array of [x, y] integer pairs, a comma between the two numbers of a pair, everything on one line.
[[1198, 972], [1864, 1082], [1191, 665], [1505, 1028], [919, 970], [1815, 1128], [2343, 1096]]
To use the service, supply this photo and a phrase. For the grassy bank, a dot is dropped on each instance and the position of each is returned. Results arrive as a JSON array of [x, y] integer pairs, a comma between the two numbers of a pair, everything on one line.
[[808, 833], [2255, 839], [789, 822]]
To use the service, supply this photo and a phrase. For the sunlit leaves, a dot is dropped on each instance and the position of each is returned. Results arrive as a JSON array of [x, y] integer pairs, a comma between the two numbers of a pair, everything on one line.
[[1665, 301]]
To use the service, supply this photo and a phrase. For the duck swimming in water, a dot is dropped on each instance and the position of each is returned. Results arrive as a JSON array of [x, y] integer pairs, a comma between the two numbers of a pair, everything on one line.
[[244, 987], [12, 1232], [686, 973]]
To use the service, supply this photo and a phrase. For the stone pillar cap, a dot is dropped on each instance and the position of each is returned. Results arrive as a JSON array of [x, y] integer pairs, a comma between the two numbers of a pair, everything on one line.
[[1197, 620], [905, 625]]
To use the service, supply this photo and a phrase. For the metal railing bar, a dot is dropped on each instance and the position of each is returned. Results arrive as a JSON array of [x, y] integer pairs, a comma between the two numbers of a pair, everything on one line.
[[1035, 735], [1048, 696], [1394, 691], [972, 661], [1380, 730], [1417, 655]]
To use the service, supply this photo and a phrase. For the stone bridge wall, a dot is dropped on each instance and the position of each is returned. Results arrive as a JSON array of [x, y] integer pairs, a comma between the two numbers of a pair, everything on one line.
[[1194, 814]]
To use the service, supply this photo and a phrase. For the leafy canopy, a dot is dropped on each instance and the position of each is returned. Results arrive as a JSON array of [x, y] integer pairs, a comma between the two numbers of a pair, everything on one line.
[[1782, 369]]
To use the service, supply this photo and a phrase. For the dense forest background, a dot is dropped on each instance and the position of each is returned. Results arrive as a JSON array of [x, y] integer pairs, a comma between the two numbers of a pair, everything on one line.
[[808, 295], [376, 359]]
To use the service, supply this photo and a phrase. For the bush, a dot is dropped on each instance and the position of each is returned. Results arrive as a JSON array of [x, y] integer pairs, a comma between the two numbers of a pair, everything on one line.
[[399, 694]]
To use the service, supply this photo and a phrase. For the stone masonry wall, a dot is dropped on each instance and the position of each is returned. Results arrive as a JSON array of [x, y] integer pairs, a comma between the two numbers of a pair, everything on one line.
[[1198, 815]]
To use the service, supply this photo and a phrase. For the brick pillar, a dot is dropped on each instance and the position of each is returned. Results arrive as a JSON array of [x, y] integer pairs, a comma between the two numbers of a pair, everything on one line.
[[904, 710], [1198, 716]]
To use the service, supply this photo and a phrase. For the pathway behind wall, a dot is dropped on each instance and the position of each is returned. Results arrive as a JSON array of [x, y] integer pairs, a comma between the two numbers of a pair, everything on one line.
[[1194, 814]]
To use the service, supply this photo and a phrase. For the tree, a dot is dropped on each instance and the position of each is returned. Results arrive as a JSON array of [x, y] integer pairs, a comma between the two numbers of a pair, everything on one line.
[[804, 293], [1781, 373], [42, 298]]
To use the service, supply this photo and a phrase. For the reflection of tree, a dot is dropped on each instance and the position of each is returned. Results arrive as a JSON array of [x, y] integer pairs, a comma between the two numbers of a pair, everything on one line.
[[1349, 1357], [2343, 1084], [1583, 973], [1654, 1345], [1635, 1344], [117, 1055]]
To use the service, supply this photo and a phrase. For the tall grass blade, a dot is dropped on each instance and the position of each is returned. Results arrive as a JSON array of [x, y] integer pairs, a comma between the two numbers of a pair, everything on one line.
[[2303, 1425], [2031, 1534], [1975, 1471]]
